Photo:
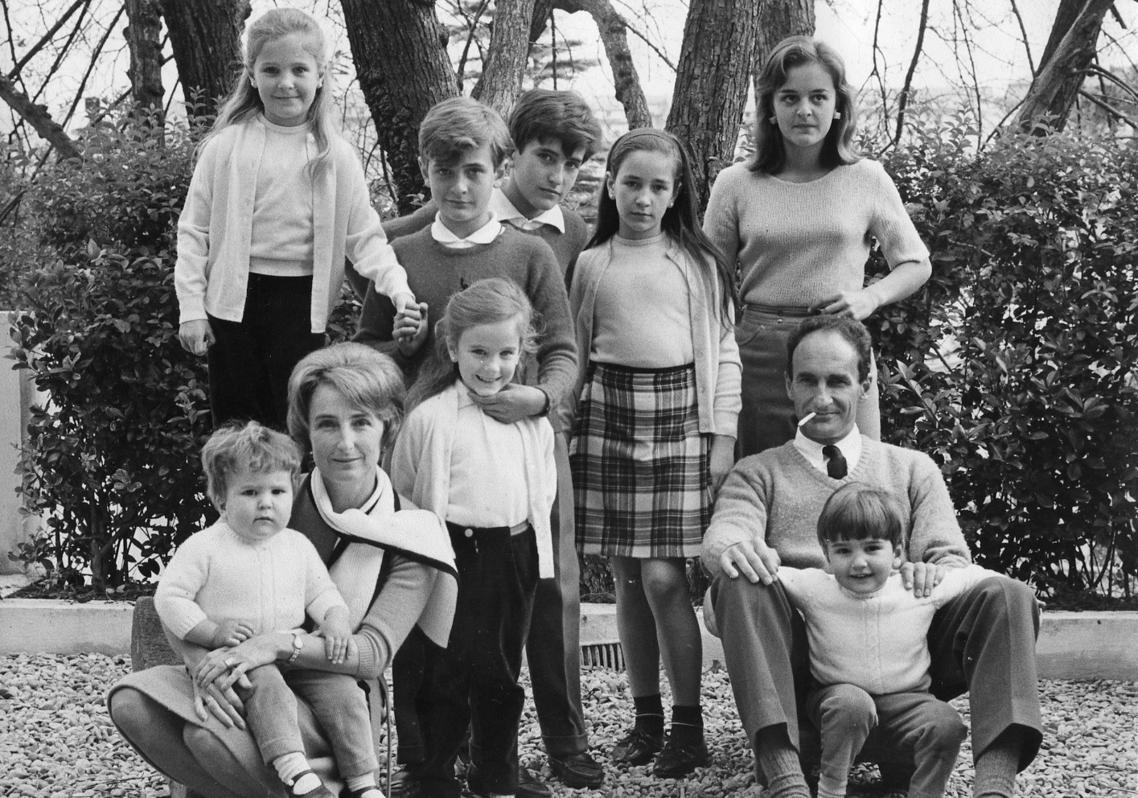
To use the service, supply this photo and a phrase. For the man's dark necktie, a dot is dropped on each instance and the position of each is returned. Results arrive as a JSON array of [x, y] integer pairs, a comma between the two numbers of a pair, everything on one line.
[[835, 462]]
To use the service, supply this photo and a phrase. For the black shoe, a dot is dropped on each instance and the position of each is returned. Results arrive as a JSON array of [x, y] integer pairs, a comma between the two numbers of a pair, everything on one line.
[[637, 747], [679, 759], [404, 784], [530, 786], [577, 770]]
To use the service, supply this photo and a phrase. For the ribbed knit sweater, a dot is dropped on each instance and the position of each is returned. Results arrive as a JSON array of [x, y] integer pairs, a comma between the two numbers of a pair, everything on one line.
[[878, 641], [800, 243], [436, 272], [777, 496]]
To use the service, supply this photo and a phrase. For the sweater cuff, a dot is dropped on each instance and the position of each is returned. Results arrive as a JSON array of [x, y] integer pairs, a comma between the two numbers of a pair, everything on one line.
[[191, 308]]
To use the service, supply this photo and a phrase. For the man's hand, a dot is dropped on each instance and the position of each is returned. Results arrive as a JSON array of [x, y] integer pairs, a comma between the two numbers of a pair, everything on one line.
[[512, 403], [754, 559], [921, 577]]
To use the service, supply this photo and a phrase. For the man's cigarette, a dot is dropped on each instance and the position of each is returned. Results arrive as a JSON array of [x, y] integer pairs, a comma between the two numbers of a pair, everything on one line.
[[806, 419]]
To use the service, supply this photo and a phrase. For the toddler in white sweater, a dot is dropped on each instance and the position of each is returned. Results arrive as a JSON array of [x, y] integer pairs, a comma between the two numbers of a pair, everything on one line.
[[249, 574], [867, 635]]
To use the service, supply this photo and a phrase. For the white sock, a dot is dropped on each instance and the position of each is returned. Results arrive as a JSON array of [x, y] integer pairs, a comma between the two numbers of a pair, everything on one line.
[[289, 766], [365, 785]]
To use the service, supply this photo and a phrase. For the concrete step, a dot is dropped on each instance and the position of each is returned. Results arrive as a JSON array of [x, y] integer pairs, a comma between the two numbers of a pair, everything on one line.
[[1072, 645]]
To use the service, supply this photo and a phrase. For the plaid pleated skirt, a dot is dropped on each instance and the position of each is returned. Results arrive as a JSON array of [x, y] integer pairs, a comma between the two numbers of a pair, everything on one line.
[[641, 478]]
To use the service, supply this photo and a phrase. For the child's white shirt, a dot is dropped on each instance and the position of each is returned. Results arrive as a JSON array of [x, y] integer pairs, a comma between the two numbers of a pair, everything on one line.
[[269, 585], [876, 641], [423, 455]]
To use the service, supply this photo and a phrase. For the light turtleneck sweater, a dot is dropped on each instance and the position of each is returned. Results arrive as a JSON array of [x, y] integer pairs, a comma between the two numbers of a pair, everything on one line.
[[800, 243], [777, 496], [641, 317]]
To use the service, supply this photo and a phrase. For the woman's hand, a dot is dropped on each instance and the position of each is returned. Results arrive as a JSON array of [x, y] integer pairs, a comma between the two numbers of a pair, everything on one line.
[[226, 666], [859, 305], [225, 705]]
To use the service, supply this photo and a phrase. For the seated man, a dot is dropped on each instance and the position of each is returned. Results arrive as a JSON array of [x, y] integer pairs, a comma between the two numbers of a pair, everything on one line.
[[982, 641]]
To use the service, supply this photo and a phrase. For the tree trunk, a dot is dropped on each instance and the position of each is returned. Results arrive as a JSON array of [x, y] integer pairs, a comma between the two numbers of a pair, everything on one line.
[[501, 80], [777, 20], [38, 117], [1052, 93], [712, 82], [399, 49], [206, 38], [143, 36], [614, 35]]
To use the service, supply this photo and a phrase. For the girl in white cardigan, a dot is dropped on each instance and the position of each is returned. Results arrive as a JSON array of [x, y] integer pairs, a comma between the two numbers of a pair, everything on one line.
[[276, 202], [494, 484]]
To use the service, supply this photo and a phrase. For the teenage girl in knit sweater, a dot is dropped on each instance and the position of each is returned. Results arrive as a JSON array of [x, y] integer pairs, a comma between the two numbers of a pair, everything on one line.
[[276, 202], [800, 220], [655, 429]]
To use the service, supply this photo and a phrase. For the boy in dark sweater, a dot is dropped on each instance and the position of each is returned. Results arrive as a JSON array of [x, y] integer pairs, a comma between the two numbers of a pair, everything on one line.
[[554, 132], [463, 145]]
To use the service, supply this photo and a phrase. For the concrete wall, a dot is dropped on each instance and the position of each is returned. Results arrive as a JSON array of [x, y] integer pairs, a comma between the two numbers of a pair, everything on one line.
[[16, 396]]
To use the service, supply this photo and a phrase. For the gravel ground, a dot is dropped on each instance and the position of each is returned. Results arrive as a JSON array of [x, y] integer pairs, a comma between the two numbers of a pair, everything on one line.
[[56, 740]]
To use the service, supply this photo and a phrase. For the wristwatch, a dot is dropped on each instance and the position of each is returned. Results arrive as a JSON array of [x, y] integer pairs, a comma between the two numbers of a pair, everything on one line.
[[297, 646]]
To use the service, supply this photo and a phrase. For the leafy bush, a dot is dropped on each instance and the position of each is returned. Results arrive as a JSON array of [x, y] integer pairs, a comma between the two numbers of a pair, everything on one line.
[[1015, 369], [111, 460]]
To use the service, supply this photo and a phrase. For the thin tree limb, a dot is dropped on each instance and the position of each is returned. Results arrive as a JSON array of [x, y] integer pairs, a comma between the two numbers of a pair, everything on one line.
[[47, 37], [903, 98], [1023, 36], [91, 66], [1111, 110]]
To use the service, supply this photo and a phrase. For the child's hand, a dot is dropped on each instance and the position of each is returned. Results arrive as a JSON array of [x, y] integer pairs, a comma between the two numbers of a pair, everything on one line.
[[410, 328], [231, 633], [721, 459], [337, 635], [196, 336]]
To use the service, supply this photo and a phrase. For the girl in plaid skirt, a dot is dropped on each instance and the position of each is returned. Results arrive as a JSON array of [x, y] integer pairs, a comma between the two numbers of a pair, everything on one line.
[[655, 428]]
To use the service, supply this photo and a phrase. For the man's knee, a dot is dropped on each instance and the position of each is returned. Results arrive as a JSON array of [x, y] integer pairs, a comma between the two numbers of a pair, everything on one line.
[[945, 729]]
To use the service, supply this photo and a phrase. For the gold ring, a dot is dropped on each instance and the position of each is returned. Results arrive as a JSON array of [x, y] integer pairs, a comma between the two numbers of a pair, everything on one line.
[[229, 663]]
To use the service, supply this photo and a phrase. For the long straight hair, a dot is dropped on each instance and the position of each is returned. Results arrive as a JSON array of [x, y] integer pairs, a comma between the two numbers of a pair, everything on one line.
[[681, 221], [838, 149], [244, 103], [488, 301]]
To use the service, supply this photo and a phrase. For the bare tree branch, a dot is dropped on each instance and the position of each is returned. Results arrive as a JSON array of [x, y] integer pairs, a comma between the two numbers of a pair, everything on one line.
[[47, 37], [38, 117], [91, 66], [471, 29], [903, 98], [1111, 110], [626, 81], [1023, 36]]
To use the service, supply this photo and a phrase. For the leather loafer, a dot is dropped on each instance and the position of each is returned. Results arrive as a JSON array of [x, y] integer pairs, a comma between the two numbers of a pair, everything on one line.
[[637, 747], [577, 770], [678, 760], [530, 786]]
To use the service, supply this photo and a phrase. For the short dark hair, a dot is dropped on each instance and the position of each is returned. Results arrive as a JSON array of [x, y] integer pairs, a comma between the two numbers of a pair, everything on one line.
[[851, 330], [857, 511], [544, 114]]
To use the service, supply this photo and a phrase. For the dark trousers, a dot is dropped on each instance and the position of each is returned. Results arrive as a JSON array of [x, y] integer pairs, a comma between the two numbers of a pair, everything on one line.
[[251, 360], [982, 642], [553, 650], [474, 681]]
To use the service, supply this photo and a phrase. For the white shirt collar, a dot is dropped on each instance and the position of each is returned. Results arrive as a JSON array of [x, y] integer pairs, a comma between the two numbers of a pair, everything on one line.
[[506, 211], [483, 235], [849, 446]]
